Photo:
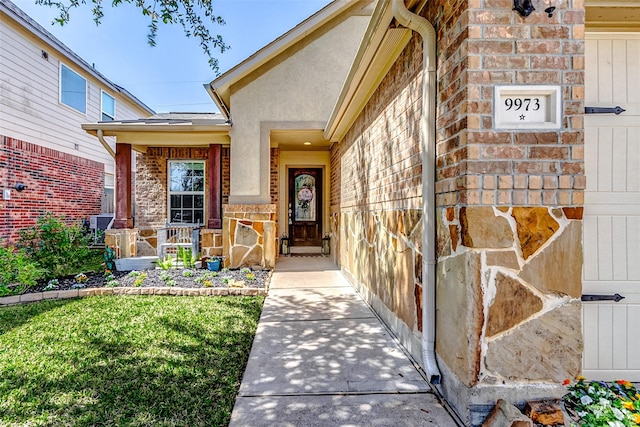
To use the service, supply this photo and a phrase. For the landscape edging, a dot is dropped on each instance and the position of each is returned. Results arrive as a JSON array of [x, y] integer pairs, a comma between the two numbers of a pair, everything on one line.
[[75, 293]]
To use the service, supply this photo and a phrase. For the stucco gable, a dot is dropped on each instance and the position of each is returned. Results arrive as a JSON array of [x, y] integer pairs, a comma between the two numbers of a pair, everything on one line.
[[314, 27]]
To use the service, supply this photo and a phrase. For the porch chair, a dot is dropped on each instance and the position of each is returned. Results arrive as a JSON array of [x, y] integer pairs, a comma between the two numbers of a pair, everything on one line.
[[173, 236]]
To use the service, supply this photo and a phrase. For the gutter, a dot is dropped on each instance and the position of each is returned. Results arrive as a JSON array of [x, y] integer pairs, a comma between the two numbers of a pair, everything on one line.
[[428, 140], [105, 144]]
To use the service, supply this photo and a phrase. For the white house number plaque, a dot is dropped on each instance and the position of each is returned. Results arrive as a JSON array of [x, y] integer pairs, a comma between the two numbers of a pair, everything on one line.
[[527, 107]]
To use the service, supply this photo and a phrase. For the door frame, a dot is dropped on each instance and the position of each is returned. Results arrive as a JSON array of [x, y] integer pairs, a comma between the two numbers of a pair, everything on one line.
[[292, 171]]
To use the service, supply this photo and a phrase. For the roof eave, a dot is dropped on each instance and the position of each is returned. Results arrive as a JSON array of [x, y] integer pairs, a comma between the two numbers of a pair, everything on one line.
[[379, 49], [49, 39]]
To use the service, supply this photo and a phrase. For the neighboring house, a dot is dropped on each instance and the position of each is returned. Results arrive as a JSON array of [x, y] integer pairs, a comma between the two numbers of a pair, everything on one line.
[[46, 92], [466, 193]]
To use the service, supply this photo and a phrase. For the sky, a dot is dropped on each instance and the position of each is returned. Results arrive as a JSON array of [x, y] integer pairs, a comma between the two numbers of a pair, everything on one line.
[[170, 76]]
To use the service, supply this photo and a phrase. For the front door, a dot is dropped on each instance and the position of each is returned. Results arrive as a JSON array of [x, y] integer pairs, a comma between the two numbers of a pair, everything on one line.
[[612, 209], [305, 206]]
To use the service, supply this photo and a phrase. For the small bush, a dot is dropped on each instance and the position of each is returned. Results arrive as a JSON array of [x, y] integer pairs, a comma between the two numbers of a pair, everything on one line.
[[17, 269], [57, 248]]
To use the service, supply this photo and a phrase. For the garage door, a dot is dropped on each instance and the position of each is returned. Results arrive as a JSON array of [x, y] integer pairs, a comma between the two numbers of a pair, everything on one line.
[[612, 208]]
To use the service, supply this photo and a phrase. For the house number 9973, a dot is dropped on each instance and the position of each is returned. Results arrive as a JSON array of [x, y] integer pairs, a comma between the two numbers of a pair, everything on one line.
[[524, 104]]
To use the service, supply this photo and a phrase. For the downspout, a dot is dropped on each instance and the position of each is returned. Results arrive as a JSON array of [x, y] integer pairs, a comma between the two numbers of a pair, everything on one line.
[[428, 140], [105, 144]]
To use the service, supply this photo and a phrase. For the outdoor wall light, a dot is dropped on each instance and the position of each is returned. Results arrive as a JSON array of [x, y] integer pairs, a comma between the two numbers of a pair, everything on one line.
[[525, 7], [20, 187]]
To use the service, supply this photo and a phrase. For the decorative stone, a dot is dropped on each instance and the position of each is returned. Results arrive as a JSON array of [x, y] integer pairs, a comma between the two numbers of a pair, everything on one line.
[[460, 315], [15, 299], [547, 348], [573, 213], [443, 236], [453, 232], [535, 226], [506, 415], [507, 259], [546, 412], [246, 236], [48, 295], [512, 304], [559, 267], [481, 228], [403, 288], [35, 296]]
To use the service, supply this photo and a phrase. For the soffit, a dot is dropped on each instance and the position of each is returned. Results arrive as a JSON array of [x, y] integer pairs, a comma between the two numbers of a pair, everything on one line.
[[294, 140], [381, 46], [616, 15], [172, 130]]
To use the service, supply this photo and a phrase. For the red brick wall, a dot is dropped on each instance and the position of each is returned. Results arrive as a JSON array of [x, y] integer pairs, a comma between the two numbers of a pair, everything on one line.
[[486, 45], [60, 183]]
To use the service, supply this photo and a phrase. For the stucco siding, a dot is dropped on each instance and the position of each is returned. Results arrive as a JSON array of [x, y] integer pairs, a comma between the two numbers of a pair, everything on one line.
[[300, 86]]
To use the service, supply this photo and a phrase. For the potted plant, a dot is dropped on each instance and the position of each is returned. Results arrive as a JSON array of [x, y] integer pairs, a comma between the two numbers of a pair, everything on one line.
[[214, 263]]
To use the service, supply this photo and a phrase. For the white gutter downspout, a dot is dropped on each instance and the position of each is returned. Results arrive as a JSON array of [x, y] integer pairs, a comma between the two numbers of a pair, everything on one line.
[[105, 144], [428, 139]]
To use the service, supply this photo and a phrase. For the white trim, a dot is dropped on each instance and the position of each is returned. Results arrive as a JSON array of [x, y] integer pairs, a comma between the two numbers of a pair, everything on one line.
[[552, 101], [86, 89], [176, 193], [102, 93]]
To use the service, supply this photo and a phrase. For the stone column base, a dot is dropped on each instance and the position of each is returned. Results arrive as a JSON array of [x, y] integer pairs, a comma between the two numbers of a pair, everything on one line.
[[249, 235], [123, 241]]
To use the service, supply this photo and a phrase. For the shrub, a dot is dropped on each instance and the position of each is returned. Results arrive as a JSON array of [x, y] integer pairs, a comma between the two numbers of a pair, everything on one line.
[[17, 269], [57, 248]]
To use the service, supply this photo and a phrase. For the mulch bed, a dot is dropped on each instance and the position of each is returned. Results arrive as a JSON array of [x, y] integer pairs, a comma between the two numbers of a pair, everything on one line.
[[164, 278]]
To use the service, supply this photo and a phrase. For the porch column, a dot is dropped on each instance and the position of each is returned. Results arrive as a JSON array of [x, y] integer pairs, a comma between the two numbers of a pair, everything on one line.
[[214, 183], [123, 187]]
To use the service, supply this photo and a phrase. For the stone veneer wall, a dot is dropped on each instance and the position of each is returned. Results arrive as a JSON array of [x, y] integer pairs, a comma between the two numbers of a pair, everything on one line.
[[510, 216], [249, 235], [509, 204], [376, 203], [151, 195]]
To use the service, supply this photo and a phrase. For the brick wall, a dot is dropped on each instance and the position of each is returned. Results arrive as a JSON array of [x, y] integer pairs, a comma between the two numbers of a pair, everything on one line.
[[489, 45], [57, 182], [378, 164], [274, 183], [508, 203], [376, 199], [151, 181]]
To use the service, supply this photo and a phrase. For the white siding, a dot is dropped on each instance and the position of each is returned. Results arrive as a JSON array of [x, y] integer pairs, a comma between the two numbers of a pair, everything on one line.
[[29, 98], [612, 208]]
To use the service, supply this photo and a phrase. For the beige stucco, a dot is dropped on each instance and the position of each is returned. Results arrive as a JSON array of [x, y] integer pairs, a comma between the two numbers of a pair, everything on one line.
[[312, 75]]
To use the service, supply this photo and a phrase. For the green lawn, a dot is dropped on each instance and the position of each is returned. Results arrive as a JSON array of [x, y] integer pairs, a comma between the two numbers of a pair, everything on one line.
[[124, 361]]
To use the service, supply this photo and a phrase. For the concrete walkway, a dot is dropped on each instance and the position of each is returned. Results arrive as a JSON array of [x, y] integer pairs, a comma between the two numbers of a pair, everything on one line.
[[322, 358]]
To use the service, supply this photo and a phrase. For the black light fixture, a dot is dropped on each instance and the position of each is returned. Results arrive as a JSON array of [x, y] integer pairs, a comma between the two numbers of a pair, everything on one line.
[[20, 187], [523, 7]]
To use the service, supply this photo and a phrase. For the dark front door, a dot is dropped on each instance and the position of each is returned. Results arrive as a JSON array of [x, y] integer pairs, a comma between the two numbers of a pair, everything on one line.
[[305, 206]]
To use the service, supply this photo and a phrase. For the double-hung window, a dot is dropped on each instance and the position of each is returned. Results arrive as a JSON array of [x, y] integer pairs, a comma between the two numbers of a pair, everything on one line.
[[186, 191], [73, 89], [108, 107]]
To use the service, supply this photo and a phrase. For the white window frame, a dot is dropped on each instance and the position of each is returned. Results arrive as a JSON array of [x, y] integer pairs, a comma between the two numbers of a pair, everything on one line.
[[179, 193], [86, 90], [102, 110]]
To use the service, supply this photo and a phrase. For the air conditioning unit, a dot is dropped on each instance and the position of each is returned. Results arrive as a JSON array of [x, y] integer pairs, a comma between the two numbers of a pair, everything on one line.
[[100, 222]]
